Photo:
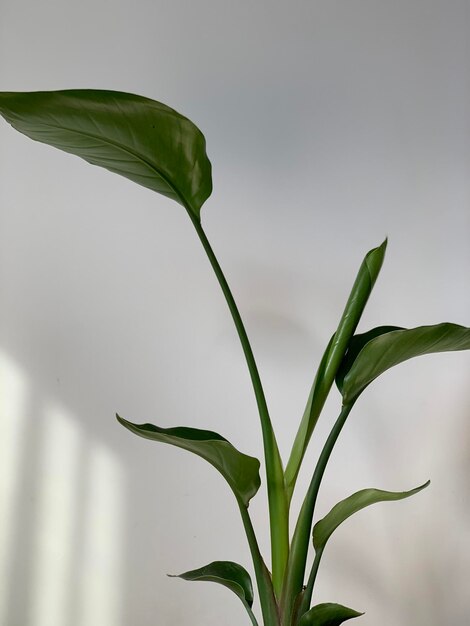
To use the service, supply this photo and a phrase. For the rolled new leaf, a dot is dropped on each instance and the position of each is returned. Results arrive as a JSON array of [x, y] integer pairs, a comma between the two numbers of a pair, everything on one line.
[[239, 470], [373, 353], [130, 135], [323, 529], [328, 614], [230, 575], [334, 353]]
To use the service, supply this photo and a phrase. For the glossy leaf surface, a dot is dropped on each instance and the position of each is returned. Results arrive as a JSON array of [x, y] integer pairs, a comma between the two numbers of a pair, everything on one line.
[[328, 614], [230, 575], [334, 353], [240, 471], [130, 135], [226, 573], [323, 529], [369, 359]]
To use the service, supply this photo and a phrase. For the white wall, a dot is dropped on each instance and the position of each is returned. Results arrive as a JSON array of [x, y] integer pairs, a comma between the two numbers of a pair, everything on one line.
[[329, 124]]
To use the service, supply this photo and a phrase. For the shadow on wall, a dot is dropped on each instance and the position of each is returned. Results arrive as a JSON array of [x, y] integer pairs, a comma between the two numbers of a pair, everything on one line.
[[65, 531], [63, 522], [420, 586], [412, 562]]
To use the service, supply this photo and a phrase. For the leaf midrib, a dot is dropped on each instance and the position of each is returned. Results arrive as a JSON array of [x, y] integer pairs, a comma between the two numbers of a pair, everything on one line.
[[120, 147]]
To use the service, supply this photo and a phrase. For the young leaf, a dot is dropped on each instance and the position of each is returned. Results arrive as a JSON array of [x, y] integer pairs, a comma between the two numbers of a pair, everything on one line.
[[355, 346], [328, 614], [323, 529], [226, 573], [239, 470], [230, 575], [373, 353], [331, 360], [133, 136]]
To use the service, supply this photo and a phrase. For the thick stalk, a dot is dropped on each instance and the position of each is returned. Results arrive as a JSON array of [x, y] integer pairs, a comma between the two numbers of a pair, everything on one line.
[[301, 539], [269, 606], [278, 507]]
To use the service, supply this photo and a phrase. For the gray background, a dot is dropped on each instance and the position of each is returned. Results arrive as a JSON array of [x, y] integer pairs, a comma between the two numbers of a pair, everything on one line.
[[330, 125]]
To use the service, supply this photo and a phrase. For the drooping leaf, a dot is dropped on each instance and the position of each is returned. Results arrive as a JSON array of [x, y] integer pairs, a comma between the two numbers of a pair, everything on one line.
[[328, 614], [331, 360], [323, 529], [373, 353], [130, 135], [227, 573], [230, 575], [240, 471]]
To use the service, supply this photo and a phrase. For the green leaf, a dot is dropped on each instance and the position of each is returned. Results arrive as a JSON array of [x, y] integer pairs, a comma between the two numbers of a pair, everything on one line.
[[239, 470], [331, 360], [230, 575], [323, 529], [227, 573], [130, 135], [372, 353], [327, 614], [355, 346]]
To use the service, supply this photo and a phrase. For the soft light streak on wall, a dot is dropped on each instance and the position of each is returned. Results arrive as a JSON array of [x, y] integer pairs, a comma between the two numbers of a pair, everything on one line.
[[101, 590], [12, 422], [57, 512]]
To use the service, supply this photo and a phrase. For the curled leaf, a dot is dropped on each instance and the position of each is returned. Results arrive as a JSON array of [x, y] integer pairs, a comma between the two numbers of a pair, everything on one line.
[[331, 360], [226, 573], [371, 354], [239, 470], [323, 529], [230, 575], [328, 614]]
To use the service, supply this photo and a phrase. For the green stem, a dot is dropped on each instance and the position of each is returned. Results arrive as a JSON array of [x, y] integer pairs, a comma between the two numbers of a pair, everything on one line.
[[278, 506], [318, 394], [252, 617], [269, 607], [301, 539], [307, 595]]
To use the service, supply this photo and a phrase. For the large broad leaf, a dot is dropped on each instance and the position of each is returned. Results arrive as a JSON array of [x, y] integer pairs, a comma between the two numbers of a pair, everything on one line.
[[331, 360], [323, 529], [230, 575], [133, 136], [328, 614], [240, 471], [372, 353]]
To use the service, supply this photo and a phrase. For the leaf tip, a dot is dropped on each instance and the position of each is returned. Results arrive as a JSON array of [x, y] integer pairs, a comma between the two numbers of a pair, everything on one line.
[[420, 488], [356, 613], [124, 422], [379, 250]]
